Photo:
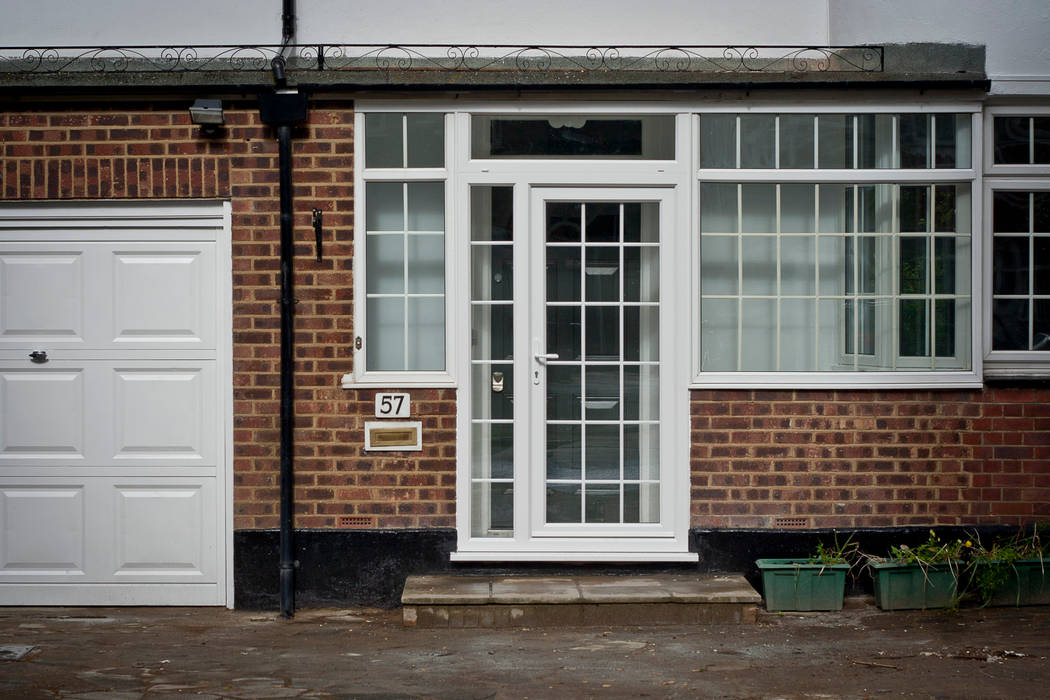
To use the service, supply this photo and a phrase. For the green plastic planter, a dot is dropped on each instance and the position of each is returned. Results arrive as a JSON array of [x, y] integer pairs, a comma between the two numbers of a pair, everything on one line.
[[915, 587], [1026, 582], [796, 584]]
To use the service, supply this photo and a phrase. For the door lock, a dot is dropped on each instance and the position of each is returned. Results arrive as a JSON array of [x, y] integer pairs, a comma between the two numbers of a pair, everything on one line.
[[38, 356]]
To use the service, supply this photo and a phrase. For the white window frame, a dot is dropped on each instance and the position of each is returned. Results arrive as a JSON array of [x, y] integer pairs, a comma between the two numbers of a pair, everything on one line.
[[991, 169], [893, 379], [360, 376], [1008, 363]]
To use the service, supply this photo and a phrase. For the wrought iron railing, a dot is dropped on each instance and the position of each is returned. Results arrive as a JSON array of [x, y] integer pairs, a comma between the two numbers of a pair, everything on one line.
[[452, 58]]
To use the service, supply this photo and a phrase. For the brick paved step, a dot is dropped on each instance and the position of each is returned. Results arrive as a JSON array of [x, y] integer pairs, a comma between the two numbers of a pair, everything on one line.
[[565, 601]]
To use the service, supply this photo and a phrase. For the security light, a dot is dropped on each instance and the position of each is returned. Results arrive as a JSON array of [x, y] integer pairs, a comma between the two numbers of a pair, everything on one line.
[[208, 115]]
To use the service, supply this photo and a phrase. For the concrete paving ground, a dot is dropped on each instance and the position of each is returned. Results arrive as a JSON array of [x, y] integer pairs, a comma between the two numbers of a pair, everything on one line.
[[131, 653]]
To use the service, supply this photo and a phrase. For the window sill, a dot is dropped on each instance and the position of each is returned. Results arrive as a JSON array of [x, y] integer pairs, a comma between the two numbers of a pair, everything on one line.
[[837, 380], [397, 381]]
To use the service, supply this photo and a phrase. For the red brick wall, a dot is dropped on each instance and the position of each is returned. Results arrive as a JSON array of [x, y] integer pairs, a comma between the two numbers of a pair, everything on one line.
[[150, 150], [837, 459], [870, 458]]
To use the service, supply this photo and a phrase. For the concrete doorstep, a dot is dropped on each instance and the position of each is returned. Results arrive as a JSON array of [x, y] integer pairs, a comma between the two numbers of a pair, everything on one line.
[[561, 601]]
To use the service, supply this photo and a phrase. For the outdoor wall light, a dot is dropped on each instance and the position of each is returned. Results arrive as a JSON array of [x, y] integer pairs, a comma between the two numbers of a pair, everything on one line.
[[208, 115]]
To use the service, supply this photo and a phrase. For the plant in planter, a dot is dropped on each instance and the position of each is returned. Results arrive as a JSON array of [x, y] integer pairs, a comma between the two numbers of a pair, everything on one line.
[[1011, 571], [920, 577], [814, 583]]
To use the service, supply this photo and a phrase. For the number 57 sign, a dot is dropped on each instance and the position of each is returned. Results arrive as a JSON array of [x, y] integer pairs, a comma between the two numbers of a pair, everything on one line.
[[392, 406]]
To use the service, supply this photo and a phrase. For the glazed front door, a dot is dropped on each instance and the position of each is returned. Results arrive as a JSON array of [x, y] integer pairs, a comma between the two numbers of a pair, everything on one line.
[[567, 393]]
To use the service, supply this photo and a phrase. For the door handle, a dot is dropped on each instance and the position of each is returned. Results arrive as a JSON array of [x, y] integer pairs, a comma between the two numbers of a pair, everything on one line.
[[38, 356], [542, 357]]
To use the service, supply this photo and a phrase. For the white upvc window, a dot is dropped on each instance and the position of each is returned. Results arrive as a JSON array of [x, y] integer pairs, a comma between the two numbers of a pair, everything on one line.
[[1017, 240], [402, 255], [837, 249]]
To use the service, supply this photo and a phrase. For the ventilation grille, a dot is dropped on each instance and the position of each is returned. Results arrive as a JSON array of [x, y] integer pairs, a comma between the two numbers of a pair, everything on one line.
[[790, 522], [355, 521]]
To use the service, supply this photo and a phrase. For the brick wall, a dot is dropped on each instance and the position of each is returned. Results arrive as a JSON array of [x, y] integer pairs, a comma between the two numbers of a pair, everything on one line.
[[150, 150], [838, 459], [870, 458]]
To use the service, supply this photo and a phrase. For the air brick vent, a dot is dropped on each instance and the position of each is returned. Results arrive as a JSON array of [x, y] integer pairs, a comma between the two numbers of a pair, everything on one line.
[[790, 522], [355, 521]]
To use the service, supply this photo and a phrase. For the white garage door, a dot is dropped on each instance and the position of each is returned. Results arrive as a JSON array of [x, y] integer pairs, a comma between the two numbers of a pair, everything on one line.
[[113, 446]]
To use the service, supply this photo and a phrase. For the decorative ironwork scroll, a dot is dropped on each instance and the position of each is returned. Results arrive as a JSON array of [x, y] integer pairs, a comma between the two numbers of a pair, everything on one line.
[[451, 58]]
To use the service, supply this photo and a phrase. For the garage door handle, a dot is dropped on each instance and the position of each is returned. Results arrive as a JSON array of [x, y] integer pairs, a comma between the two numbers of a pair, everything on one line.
[[38, 356]]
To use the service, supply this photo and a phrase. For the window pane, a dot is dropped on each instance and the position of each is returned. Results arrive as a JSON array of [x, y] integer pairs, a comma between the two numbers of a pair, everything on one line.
[[426, 334], [384, 147], [796, 140], [797, 266], [718, 327], [563, 331], [564, 392], [604, 398], [641, 392], [718, 264], [913, 265], [798, 350], [757, 140], [1010, 324], [1011, 139], [914, 141], [797, 203], [1010, 265], [492, 332], [718, 141], [492, 509], [944, 327], [1041, 264], [426, 264], [564, 453], [603, 452], [563, 503], [563, 274], [758, 335], [573, 136], [1041, 136], [914, 208], [1041, 325], [426, 206], [602, 222], [602, 273], [718, 208], [835, 141], [493, 453], [1041, 206], [491, 213], [603, 332], [944, 208], [759, 208], [385, 206], [492, 272], [385, 262], [385, 318], [564, 222], [875, 141], [641, 222], [641, 274], [488, 404], [944, 265], [426, 140], [944, 139], [836, 208], [759, 268], [913, 327], [1010, 212]]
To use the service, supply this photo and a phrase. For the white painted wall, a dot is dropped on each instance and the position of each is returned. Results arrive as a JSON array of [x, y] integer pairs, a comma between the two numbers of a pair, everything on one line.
[[139, 22], [571, 22], [1016, 33], [127, 22]]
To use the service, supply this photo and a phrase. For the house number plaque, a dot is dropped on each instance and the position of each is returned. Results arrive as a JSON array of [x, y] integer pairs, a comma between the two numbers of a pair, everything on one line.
[[392, 406]]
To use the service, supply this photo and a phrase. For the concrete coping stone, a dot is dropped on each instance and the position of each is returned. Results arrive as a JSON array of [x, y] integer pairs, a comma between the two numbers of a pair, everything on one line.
[[548, 590]]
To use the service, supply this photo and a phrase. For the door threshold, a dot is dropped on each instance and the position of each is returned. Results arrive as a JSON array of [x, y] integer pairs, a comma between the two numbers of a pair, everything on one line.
[[611, 557]]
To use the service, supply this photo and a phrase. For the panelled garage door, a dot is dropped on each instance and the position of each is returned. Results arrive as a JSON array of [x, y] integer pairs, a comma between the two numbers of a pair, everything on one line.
[[114, 403]]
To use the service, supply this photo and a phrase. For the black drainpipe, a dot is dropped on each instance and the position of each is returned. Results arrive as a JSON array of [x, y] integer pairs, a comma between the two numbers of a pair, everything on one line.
[[281, 109]]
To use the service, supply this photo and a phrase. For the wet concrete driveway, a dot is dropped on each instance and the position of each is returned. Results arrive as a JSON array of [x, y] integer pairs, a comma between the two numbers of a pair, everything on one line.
[[118, 653]]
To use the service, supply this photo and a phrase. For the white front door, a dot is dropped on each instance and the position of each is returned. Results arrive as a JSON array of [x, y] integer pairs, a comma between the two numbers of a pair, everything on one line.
[[113, 412], [576, 397]]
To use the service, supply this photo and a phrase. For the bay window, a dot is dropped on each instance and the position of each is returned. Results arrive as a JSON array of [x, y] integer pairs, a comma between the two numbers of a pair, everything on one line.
[[834, 244]]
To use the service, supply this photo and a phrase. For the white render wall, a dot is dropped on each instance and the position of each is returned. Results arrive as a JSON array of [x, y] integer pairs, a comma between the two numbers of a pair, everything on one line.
[[1016, 33]]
